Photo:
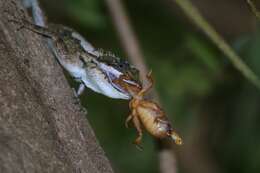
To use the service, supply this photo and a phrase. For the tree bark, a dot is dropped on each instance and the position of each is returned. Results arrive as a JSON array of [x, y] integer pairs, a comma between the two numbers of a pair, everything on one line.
[[41, 127]]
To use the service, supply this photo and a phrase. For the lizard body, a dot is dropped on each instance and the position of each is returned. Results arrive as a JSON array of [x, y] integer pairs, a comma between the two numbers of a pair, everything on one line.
[[95, 69]]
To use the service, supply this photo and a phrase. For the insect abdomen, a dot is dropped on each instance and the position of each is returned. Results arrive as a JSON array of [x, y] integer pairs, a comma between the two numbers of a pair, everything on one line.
[[148, 118]]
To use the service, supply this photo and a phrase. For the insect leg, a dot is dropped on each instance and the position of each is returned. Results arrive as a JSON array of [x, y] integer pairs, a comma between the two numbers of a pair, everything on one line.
[[159, 120], [137, 125], [129, 118], [150, 85]]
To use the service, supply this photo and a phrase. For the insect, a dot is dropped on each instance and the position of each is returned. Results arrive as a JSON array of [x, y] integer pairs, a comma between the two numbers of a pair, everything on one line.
[[96, 69], [146, 113]]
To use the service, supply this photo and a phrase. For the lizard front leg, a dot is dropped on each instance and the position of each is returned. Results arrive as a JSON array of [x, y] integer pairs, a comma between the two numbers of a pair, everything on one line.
[[81, 89]]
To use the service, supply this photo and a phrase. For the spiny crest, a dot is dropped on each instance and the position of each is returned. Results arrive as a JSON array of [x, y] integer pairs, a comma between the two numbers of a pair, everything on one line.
[[107, 56]]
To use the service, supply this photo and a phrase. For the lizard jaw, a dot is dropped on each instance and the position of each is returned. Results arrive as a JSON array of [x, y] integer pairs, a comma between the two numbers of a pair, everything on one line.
[[114, 75], [120, 80], [111, 78]]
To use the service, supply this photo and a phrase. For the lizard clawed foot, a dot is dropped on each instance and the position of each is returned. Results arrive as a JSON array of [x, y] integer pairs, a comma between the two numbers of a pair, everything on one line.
[[75, 98]]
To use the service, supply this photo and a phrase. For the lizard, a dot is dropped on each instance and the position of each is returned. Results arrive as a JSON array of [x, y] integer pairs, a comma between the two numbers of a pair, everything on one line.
[[93, 68]]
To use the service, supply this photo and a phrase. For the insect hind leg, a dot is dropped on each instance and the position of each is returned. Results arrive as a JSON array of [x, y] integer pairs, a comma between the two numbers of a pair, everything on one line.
[[150, 85], [137, 125]]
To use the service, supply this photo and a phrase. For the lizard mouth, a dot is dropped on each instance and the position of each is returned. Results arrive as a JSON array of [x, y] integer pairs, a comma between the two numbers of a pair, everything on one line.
[[119, 81], [112, 78]]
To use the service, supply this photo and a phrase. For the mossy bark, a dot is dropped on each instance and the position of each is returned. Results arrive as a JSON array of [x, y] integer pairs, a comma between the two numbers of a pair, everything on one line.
[[41, 127]]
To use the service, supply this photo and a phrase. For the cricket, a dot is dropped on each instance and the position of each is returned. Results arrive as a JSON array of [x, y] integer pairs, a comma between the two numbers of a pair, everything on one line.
[[146, 113]]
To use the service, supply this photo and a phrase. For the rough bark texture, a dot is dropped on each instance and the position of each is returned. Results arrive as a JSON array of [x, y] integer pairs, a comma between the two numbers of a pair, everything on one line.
[[41, 127]]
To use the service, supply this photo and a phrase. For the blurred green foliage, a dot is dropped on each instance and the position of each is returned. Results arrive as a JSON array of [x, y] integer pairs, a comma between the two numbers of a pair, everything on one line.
[[86, 12], [192, 78]]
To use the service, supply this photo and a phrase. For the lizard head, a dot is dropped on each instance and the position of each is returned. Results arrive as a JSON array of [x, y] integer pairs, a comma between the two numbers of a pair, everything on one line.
[[115, 67]]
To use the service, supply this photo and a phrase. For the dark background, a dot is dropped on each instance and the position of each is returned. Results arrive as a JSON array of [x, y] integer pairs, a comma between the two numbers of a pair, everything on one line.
[[212, 106]]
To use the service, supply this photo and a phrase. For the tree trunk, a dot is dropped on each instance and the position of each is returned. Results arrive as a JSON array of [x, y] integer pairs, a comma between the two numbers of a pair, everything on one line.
[[41, 127]]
